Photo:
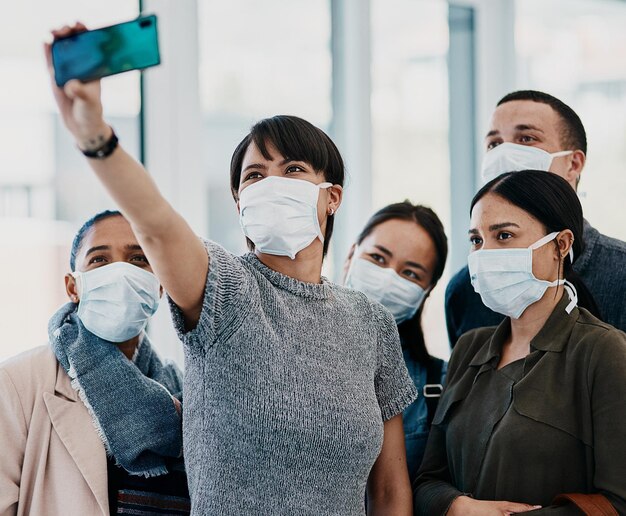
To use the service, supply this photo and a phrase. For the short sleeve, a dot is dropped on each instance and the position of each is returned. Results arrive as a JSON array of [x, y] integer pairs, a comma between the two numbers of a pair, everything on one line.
[[394, 387], [223, 306]]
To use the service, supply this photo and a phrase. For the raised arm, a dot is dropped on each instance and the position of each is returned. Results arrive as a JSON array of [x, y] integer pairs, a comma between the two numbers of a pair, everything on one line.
[[176, 254]]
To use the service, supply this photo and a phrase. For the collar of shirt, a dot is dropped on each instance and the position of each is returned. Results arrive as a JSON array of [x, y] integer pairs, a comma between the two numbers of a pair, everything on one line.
[[552, 337]]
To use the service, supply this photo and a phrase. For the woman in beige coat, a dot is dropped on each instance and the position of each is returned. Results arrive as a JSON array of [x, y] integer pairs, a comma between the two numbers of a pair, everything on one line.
[[53, 461], [91, 437]]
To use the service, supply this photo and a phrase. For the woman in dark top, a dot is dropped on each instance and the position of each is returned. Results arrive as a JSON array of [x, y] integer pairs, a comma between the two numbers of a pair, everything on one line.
[[536, 407], [397, 260]]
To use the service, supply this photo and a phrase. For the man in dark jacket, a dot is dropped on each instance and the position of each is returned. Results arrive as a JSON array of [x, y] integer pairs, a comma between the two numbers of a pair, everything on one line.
[[541, 132]]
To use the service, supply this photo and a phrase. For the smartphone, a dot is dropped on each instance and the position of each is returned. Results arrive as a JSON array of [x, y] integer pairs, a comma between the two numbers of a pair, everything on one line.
[[93, 54]]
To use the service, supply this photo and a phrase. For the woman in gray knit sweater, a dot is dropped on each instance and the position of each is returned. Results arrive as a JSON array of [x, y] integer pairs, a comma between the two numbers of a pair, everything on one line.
[[294, 386]]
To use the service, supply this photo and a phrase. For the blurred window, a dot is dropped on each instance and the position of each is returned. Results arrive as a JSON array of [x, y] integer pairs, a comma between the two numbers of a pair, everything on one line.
[[410, 122], [252, 66], [46, 190], [575, 50]]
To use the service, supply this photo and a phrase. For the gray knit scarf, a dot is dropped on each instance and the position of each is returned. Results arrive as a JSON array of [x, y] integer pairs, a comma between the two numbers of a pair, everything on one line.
[[130, 401]]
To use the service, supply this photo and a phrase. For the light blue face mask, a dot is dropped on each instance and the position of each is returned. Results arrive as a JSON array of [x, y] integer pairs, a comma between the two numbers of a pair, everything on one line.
[[505, 281], [117, 300]]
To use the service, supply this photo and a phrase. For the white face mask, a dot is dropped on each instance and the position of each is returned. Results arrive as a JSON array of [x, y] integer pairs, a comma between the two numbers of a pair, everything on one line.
[[382, 284], [512, 157], [505, 281], [117, 300], [279, 214]]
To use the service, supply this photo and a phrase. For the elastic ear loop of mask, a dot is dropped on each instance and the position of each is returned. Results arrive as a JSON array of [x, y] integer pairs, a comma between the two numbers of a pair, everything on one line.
[[573, 295], [547, 239], [322, 186], [543, 241], [568, 286], [78, 280]]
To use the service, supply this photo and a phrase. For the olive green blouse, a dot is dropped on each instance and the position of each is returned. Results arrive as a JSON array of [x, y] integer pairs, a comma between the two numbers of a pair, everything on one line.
[[551, 423]]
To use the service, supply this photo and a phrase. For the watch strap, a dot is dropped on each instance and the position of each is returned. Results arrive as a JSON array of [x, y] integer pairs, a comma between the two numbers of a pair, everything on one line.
[[105, 150]]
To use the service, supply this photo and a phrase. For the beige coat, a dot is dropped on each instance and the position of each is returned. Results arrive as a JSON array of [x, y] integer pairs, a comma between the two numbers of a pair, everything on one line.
[[52, 462]]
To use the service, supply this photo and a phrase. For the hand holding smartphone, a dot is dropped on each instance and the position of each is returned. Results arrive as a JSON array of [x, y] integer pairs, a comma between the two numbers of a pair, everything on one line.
[[98, 53]]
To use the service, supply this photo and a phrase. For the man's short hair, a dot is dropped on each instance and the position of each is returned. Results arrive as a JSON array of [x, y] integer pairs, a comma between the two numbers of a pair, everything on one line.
[[573, 136]]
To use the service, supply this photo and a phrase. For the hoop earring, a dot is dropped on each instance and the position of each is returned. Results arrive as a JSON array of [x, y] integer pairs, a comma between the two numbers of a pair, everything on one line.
[[331, 213]]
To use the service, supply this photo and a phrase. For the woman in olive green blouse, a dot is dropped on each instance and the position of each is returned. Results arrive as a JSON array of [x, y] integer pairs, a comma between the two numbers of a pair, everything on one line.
[[536, 407]]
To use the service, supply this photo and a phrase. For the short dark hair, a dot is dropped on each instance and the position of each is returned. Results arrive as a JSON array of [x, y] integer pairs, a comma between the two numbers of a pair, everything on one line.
[[551, 200], [295, 139], [573, 135], [80, 235], [411, 333]]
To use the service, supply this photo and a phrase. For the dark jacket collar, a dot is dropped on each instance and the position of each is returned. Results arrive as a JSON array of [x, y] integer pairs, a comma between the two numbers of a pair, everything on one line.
[[553, 336], [590, 238]]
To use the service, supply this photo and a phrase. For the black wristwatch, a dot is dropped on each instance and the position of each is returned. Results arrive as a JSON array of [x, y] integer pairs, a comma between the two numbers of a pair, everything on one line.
[[105, 150]]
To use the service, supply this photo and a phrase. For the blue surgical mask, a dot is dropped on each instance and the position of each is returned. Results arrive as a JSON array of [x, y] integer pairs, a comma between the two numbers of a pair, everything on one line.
[[384, 285], [505, 281], [117, 300]]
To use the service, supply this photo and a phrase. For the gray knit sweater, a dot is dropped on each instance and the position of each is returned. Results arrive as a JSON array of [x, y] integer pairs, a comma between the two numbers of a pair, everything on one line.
[[286, 389]]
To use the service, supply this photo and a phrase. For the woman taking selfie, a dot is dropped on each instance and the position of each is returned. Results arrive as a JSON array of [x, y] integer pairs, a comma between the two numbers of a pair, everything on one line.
[[397, 260], [534, 411], [294, 387]]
